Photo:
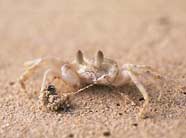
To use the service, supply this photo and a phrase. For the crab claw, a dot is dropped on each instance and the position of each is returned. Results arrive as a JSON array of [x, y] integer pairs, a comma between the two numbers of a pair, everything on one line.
[[70, 76], [99, 58], [79, 57]]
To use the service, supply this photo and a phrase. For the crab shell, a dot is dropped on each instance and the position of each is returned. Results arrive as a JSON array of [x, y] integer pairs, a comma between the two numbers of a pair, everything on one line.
[[83, 71]]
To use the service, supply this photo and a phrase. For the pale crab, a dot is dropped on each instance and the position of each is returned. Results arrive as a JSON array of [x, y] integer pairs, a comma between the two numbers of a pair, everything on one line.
[[81, 74]]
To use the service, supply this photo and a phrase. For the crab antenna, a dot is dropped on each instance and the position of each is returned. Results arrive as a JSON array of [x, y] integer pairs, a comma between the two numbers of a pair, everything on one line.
[[99, 58], [79, 57]]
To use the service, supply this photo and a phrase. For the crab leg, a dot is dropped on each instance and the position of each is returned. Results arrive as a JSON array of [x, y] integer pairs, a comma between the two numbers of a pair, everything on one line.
[[34, 65], [127, 75], [44, 82], [145, 68], [142, 91]]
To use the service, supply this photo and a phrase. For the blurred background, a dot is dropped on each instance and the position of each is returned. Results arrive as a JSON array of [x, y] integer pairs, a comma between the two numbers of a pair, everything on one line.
[[87, 24], [121, 28], [60, 27]]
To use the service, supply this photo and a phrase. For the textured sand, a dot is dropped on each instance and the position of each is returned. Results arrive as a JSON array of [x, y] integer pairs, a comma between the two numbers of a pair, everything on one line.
[[139, 32]]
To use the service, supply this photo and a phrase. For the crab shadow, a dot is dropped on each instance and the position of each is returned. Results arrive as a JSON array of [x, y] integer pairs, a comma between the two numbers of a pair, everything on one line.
[[132, 92], [171, 105], [103, 96]]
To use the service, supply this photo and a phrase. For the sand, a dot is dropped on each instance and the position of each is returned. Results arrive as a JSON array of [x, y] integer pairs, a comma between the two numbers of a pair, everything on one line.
[[138, 32]]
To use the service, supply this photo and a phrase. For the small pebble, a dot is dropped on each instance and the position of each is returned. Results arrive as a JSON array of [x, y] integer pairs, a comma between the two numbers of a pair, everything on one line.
[[135, 124], [51, 89], [120, 114], [106, 133], [11, 83], [117, 104], [71, 135], [141, 99]]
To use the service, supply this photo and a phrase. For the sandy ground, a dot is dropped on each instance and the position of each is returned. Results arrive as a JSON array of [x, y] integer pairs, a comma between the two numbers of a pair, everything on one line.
[[151, 32]]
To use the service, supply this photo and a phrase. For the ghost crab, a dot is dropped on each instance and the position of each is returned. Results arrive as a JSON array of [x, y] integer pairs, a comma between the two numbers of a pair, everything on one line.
[[81, 74]]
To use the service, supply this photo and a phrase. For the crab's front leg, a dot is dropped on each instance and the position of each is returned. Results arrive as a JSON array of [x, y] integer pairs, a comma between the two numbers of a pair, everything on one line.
[[127, 75], [142, 90], [140, 69]]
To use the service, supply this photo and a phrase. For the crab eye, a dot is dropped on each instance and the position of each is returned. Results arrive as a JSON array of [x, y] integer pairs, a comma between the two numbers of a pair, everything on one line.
[[99, 58], [79, 57]]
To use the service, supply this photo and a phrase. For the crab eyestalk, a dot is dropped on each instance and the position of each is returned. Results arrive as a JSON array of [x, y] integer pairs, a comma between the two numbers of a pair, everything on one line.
[[79, 57], [99, 58]]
